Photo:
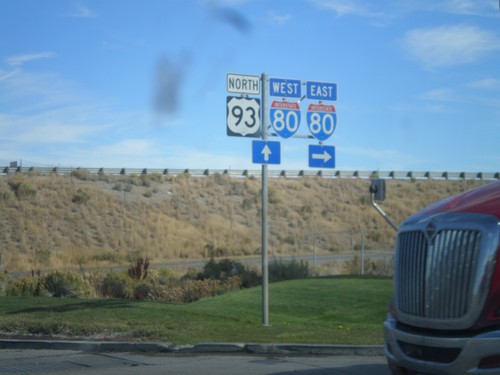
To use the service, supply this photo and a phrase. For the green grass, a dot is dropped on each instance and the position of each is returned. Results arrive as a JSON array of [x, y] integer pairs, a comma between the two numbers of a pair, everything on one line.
[[338, 310]]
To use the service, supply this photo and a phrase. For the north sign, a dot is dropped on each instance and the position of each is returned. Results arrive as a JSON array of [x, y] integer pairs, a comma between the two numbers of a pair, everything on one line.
[[321, 91], [266, 152], [285, 88], [321, 156], [243, 84]]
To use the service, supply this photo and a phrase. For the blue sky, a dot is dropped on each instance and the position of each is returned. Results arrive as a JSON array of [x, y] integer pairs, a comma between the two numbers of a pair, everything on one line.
[[142, 84]]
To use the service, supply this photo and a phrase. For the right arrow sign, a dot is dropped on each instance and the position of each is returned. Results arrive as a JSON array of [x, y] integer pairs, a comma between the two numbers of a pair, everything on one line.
[[321, 156]]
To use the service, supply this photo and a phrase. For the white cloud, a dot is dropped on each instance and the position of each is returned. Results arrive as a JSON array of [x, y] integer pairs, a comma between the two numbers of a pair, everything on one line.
[[18, 60], [278, 19], [384, 159], [54, 119], [224, 3], [381, 12], [485, 84], [441, 95], [466, 7], [5, 75], [81, 11], [51, 127], [450, 45], [40, 91], [342, 7]]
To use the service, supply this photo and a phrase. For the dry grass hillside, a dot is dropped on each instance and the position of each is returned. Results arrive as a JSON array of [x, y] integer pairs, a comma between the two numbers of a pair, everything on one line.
[[55, 222]]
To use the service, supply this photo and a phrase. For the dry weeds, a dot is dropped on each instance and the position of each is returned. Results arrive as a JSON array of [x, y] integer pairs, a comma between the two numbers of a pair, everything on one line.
[[81, 221]]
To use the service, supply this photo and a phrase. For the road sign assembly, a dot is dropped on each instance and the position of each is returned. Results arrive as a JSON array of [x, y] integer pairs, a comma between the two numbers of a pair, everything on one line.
[[246, 118]]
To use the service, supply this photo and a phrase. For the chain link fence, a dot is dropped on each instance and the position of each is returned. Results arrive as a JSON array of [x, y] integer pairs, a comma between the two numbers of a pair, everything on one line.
[[337, 253]]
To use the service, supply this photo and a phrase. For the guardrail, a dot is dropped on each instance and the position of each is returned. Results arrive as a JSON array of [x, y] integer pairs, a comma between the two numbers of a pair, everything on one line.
[[396, 175]]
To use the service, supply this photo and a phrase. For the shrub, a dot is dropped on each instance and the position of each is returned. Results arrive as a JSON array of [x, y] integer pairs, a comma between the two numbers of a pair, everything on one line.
[[81, 197], [157, 177], [21, 188], [64, 284], [379, 267], [352, 267], [139, 271], [280, 270], [375, 236], [248, 203], [118, 186], [4, 195], [249, 279], [81, 174], [116, 285], [55, 284], [227, 269], [106, 257], [25, 287], [220, 179], [193, 290], [143, 291], [220, 270], [306, 209], [273, 196]]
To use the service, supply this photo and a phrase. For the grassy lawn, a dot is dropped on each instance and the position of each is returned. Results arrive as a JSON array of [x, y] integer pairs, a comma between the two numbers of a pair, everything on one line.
[[337, 310]]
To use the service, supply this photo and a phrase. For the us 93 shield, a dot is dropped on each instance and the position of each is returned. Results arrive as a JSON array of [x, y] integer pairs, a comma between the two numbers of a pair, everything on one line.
[[243, 117]]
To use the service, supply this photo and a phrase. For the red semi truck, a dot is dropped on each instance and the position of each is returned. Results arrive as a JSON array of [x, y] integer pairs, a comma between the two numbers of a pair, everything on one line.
[[445, 316]]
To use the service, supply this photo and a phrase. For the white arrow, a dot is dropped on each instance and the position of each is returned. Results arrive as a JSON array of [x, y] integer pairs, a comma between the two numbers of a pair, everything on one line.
[[266, 151], [325, 156]]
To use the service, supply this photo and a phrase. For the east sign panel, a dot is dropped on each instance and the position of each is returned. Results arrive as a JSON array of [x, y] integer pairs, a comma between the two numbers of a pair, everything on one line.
[[321, 91]]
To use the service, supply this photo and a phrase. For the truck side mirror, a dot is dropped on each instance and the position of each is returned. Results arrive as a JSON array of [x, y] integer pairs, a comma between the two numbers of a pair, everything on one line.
[[378, 189]]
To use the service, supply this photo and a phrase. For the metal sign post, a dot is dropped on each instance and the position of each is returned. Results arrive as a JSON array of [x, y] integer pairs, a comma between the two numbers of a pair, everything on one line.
[[265, 274]]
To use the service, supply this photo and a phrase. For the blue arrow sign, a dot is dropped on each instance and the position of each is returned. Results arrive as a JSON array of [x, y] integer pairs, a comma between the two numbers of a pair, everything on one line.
[[266, 152], [289, 88], [321, 156], [321, 91]]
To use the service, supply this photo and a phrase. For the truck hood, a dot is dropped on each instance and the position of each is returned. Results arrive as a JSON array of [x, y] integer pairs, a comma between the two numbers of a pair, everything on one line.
[[484, 199]]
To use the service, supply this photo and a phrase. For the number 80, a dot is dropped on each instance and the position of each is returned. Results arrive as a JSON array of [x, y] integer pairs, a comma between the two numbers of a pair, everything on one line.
[[322, 125]]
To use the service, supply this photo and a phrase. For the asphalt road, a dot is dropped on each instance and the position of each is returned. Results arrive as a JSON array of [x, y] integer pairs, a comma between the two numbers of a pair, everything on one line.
[[22, 361]]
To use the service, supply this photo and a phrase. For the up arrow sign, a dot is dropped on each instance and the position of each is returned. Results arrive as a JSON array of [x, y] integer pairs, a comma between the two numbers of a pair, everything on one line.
[[266, 152], [321, 156]]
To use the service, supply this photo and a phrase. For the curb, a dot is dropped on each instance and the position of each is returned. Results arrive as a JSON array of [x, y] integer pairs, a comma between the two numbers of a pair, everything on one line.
[[202, 348]]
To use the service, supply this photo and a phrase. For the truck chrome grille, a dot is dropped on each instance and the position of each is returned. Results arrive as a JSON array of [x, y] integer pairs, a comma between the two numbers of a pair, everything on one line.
[[436, 274]]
